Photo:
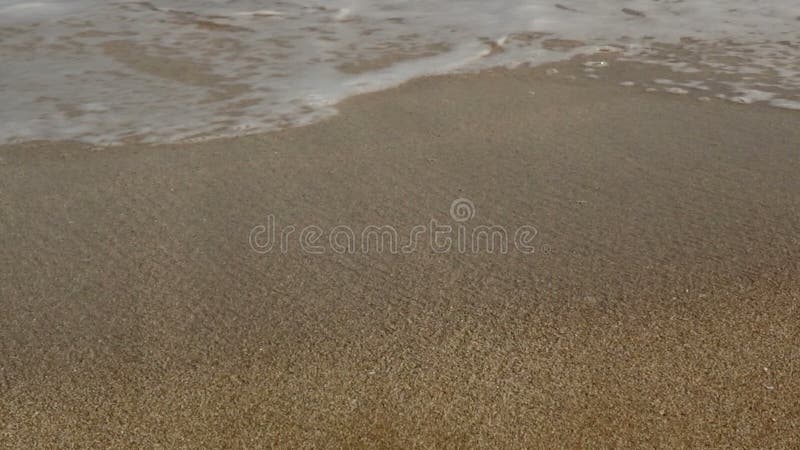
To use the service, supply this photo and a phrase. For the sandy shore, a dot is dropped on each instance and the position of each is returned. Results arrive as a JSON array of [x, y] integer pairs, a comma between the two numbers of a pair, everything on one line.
[[659, 309]]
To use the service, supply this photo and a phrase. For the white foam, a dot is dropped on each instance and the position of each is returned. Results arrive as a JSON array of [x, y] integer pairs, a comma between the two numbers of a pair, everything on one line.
[[106, 71], [783, 103], [676, 90], [748, 96]]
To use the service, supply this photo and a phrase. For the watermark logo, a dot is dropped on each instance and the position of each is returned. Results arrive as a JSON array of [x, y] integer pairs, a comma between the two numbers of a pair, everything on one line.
[[456, 235], [462, 209]]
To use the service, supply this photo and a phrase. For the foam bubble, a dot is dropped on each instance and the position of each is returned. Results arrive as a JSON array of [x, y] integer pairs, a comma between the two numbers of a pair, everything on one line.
[[783, 103], [748, 96], [676, 90]]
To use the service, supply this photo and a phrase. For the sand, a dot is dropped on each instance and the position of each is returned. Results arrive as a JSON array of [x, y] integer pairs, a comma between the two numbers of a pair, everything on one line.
[[660, 307]]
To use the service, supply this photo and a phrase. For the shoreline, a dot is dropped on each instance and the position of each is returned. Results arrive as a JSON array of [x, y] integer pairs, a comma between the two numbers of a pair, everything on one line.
[[652, 76], [664, 313], [200, 70]]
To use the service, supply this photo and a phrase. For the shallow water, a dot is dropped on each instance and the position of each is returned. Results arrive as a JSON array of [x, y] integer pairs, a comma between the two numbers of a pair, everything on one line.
[[112, 71]]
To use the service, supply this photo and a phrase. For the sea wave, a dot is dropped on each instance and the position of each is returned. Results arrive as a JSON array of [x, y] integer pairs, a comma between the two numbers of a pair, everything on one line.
[[107, 72]]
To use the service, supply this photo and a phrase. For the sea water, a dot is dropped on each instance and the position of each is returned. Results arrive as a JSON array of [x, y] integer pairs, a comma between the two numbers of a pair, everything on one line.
[[104, 71]]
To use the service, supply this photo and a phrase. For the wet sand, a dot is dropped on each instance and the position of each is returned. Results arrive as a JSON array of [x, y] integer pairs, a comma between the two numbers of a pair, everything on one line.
[[660, 307]]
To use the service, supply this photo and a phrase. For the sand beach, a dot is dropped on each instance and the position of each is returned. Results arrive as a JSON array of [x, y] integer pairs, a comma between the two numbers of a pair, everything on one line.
[[658, 308]]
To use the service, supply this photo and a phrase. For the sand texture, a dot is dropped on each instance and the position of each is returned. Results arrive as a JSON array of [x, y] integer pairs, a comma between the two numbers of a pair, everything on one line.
[[659, 309]]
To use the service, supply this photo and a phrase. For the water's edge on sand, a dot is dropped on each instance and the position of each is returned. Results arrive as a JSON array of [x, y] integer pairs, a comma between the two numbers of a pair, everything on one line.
[[661, 307]]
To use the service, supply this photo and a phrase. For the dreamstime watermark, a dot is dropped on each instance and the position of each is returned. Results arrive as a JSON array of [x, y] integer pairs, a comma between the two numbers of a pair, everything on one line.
[[439, 237]]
